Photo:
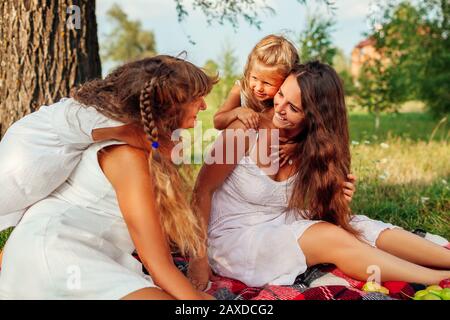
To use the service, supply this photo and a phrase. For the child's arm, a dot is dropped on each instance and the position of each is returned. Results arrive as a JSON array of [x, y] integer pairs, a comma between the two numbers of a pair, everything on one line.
[[227, 112], [135, 195], [132, 134], [230, 112]]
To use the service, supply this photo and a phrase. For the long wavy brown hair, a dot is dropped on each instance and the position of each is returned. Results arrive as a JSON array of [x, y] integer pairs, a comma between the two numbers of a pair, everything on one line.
[[323, 153], [153, 92]]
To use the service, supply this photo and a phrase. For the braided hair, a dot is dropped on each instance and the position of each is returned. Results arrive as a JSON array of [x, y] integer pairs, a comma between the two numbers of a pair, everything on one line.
[[153, 92]]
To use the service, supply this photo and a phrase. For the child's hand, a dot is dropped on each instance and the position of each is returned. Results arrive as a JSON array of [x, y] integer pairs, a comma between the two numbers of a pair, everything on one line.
[[349, 187], [134, 135], [285, 151], [248, 117], [131, 133]]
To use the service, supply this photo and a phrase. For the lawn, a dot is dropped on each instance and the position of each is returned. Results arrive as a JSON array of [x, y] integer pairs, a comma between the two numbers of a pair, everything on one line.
[[403, 177]]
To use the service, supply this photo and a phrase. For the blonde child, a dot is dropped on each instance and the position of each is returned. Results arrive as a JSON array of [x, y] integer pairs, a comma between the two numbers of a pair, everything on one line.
[[268, 64]]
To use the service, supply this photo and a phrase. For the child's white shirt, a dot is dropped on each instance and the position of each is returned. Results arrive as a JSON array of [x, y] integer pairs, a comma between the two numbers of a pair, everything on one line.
[[242, 96], [39, 152]]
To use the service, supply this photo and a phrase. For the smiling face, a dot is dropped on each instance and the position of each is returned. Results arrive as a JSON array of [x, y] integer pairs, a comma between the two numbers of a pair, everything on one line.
[[190, 112], [289, 113], [264, 81]]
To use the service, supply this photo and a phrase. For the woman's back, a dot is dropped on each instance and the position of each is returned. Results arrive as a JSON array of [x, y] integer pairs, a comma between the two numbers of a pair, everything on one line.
[[78, 227]]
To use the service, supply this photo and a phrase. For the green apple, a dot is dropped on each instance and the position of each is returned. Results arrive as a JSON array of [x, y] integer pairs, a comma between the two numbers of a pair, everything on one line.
[[434, 287], [445, 294], [419, 294], [430, 296]]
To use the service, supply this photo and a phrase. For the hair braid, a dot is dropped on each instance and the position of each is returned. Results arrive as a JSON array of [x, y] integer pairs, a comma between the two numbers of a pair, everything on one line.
[[147, 118], [154, 92]]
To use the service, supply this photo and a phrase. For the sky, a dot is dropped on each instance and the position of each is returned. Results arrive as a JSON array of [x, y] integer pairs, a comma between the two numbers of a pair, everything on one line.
[[172, 37]]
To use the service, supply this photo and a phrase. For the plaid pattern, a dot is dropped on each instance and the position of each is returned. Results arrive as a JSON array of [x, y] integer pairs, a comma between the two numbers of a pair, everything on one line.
[[321, 282]]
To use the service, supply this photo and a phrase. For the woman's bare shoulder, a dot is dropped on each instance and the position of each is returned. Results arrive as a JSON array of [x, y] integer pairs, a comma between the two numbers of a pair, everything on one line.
[[122, 160], [123, 152]]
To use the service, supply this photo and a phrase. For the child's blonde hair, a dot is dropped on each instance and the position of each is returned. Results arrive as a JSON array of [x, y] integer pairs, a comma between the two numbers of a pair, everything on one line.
[[272, 51]]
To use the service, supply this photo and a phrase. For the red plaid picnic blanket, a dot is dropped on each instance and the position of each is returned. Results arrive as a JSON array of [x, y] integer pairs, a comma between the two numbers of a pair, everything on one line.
[[321, 282]]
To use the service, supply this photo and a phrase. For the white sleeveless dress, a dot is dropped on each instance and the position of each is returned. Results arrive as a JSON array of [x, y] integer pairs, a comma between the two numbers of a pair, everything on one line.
[[252, 237], [39, 152], [74, 244]]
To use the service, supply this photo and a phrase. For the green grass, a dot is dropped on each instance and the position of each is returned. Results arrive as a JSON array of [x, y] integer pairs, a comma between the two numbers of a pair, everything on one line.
[[403, 177], [4, 236], [409, 206], [409, 126]]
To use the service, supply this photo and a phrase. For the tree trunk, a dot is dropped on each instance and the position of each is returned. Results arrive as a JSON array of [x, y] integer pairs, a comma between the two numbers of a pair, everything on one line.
[[46, 48]]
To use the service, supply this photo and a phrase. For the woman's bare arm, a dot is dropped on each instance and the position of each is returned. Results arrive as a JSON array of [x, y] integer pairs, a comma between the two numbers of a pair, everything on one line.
[[136, 199], [132, 133], [211, 177], [227, 113]]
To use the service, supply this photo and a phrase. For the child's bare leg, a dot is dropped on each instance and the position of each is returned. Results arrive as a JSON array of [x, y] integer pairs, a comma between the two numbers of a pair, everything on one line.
[[411, 247], [327, 243]]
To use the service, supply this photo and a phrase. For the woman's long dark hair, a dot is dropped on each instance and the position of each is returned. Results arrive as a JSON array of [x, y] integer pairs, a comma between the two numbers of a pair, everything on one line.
[[324, 152]]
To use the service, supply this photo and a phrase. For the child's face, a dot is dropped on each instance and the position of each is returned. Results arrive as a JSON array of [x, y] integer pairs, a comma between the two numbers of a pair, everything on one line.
[[264, 81], [190, 112]]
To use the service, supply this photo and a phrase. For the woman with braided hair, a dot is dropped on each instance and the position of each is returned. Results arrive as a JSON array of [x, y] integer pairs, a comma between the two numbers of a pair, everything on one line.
[[77, 243]]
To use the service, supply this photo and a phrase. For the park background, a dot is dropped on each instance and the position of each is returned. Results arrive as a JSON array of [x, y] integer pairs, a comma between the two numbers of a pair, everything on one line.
[[393, 57]]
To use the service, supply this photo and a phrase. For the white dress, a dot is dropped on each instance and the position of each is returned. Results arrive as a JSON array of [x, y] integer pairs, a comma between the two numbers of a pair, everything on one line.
[[74, 244], [252, 237], [39, 152]]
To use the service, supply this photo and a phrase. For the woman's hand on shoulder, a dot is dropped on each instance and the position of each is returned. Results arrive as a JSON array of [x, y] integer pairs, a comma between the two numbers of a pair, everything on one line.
[[350, 187]]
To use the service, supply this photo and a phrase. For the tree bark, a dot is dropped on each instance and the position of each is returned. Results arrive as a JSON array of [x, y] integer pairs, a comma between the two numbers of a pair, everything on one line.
[[46, 48]]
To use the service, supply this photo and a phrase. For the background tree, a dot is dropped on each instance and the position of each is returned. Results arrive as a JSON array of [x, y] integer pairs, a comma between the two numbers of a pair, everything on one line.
[[226, 68], [342, 66], [41, 57], [373, 89], [399, 39], [435, 85], [211, 67], [229, 11], [414, 39], [127, 40], [46, 48], [315, 41]]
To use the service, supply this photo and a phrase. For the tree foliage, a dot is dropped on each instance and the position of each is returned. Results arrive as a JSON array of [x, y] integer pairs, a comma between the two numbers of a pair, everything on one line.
[[230, 11], [414, 41], [342, 65], [315, 41], [227, 68], [373, 90], [127, 40]]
